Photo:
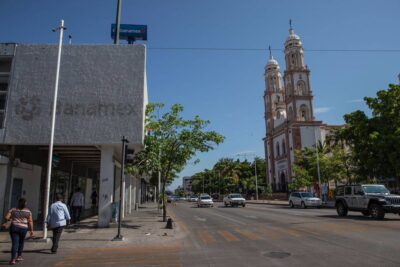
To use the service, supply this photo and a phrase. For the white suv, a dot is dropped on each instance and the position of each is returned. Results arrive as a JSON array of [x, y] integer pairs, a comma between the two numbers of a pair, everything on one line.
[[234, 200], [304, 200], [205, 201]]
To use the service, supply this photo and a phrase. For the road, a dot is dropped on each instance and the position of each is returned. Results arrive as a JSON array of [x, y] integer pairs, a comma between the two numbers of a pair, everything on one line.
[[267, 235], [257, 235]]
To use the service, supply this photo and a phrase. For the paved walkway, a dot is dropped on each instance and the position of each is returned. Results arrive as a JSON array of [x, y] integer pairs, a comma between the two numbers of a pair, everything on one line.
[[143, 226]]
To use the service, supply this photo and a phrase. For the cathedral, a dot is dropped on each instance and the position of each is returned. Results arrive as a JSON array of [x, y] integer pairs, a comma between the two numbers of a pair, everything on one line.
[[289, 113]]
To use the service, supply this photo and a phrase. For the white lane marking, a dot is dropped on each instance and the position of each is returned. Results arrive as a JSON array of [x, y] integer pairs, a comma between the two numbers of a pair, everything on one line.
[[197, 218], [228, 218]]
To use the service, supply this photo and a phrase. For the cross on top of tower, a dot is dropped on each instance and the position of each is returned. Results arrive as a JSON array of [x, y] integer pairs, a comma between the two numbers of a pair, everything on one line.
[[270, 53], [290, 27]]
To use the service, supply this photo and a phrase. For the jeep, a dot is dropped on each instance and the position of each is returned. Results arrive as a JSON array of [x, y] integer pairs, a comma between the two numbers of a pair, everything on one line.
[[370, 199]]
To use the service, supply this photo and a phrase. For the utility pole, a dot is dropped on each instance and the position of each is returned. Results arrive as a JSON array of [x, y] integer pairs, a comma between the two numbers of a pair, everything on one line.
[[60, 29], [117, 23]]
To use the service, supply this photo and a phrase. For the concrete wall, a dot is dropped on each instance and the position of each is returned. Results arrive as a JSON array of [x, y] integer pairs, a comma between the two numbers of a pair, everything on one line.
[[3, 179], [30, 174], [102, 95], [308, 135]]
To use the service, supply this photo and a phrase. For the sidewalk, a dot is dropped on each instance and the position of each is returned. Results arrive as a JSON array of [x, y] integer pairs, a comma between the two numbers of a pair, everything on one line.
[[143, 226]]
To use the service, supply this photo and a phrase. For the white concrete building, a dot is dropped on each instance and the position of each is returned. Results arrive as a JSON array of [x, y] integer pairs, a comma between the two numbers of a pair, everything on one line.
[[289, 113], [102, 97]]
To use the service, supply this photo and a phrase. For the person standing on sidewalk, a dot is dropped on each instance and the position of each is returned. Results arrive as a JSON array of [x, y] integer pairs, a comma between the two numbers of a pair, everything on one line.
[[21, 222], [77, 201], [58, 218]]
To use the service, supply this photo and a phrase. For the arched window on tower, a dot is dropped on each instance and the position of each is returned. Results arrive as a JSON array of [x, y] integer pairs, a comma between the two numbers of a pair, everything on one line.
[[293, 60], [304, 115], [301, 88], [283, 147], [277, 149]]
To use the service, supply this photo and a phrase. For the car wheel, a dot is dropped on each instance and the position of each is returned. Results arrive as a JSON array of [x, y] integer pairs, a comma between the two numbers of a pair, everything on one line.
[[377, 211], [341, 209], [366, 213], [291, 204], [243, 205], [226, 204], [303, 205]]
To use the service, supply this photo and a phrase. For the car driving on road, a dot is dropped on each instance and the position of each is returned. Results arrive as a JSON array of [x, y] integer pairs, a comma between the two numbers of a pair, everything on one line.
[[370, 199], [234, 200], [205, 201], [304, 200]]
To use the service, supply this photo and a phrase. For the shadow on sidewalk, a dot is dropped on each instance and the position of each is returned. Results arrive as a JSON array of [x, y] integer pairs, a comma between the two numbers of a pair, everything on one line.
[[41, 251]]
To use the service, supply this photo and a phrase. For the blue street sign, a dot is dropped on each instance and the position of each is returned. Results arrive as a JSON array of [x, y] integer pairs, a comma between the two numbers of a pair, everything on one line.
[[130, 32]]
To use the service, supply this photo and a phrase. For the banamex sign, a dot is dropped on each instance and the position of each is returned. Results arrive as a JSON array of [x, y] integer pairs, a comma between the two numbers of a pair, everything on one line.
[[130, 32]]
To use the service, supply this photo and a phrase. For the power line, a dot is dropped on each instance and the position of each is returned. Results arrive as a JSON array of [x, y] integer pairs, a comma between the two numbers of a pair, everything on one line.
[[266, 49]]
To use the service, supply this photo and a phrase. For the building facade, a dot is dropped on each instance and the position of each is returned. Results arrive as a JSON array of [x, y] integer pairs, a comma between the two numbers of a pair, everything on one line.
[[289, 113], [187, 185], [102, 97]]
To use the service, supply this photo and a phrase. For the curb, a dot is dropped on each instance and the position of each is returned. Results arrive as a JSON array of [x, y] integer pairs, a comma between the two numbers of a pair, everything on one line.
[[324, 206]]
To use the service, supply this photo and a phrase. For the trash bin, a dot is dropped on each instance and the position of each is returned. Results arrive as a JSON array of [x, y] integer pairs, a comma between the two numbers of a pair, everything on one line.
[[115, 211]]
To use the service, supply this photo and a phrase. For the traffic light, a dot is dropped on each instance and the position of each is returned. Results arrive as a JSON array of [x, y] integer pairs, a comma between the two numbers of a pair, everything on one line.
[[129, 155]]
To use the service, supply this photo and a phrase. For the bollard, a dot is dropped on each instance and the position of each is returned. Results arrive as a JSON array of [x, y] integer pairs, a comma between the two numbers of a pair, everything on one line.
[[169, 223]]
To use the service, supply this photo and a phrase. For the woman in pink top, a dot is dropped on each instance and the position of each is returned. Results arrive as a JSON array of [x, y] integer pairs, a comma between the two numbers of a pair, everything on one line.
[[21, 222]]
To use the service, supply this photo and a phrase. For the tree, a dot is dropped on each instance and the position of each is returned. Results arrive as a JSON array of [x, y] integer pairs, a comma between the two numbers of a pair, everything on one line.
[[172, 142], [301, 178], [375, 141]]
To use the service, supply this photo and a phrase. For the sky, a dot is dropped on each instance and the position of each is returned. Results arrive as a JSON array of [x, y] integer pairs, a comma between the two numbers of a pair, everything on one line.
[[226, 85]]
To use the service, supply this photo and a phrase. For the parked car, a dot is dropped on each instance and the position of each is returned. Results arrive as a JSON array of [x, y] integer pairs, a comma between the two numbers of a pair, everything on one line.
[[170, 198], [205, 201], [370, 199], [193, 199], [234, 200], [304, 200]]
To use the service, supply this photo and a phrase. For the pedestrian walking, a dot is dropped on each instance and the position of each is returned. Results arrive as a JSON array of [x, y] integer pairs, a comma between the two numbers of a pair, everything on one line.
[[94, 199], [21, 223], [77, 202], [58, 218]]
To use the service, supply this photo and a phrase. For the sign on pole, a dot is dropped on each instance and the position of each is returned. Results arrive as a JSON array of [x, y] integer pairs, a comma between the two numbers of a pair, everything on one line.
[[130, 32]]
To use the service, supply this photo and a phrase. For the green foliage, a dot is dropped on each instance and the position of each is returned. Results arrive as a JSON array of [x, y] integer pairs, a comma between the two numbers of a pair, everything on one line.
[[228, 176], [172, 142], [301, 179], [375, 141]]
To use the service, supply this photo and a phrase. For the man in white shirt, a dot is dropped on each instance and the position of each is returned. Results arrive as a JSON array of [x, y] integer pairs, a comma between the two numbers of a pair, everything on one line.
[[77, 202], [58, 218]]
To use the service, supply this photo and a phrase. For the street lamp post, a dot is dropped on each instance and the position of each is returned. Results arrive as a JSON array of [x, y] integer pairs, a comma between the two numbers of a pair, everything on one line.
[[61, 29], [119, 236], [318, 171], [255, 166]]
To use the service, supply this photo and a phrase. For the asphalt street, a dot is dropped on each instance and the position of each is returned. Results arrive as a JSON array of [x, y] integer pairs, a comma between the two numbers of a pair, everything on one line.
[[266, 235], [257, 235]]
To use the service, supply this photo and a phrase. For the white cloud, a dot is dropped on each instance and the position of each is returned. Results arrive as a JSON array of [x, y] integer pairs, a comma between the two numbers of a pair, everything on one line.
[[322, 110]]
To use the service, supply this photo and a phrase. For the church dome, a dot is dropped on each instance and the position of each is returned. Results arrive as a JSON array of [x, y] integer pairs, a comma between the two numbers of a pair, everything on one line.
[[272, 61], [292, 39], [292, 36]]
